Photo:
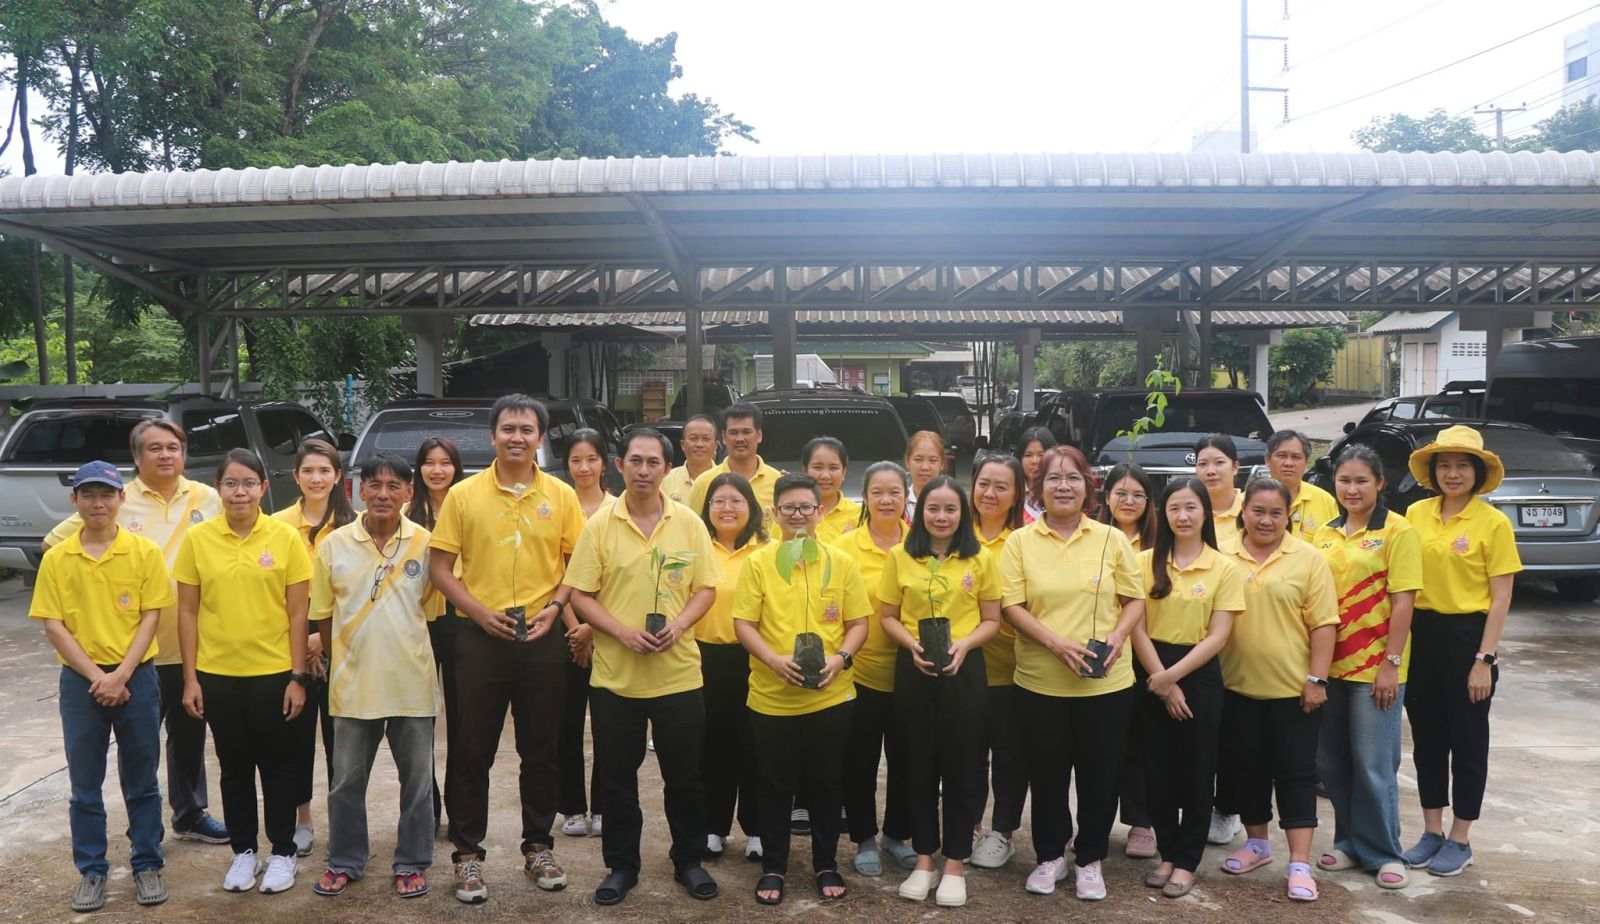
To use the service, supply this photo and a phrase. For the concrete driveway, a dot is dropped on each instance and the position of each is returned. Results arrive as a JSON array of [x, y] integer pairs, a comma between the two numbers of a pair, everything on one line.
[[1536, 848], [1321, 423]]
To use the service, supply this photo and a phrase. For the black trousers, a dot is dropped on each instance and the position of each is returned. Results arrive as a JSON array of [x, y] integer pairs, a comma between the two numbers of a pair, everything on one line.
[[942, 719], [1449, 732], [1180, 758], [621, 726], [794, 750], [245, 715], [1082, 736], [442, 634], [728, 759], [1008, 764], [186, 751], [573, 716], [875, 735], [313, 716], [1132, 801], [1270, 745], [491, 675]]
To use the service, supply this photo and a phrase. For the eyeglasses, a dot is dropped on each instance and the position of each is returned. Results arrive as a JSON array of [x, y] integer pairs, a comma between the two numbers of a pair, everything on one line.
[[384, 570], [800, 510], [729, 503], [1054, 479], [249, 485], [1125, 496]]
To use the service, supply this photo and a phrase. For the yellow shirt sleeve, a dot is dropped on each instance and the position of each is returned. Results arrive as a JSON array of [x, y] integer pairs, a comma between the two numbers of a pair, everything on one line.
[[64, 530], [1230, 587], [988, 576], [889, 582], [447, 532], [572, 522], [183, 568], [155, 591], [1502, 555], [750, 595], [298, 568], [1405, 561], [322, 586], [856, 603], [1013, 583], [588, 561], [1321, 605], [47, 603], [1130, 579], [707, 570]]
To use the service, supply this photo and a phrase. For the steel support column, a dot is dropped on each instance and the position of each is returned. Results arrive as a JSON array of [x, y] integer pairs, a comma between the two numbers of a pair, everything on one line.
[[784, 337], [1027, 359], [694, 344]]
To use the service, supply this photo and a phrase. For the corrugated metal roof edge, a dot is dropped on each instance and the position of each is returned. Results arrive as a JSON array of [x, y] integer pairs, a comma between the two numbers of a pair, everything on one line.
[[507, 178]]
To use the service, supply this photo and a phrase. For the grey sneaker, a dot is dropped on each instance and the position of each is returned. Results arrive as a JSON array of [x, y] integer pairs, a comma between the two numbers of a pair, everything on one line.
[[304, 837], [1423, 851], [1451, 859], [151, 890], [90, 895]]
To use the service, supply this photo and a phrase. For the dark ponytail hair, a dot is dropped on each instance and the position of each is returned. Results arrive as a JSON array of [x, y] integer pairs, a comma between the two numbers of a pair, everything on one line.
[[1366, 455], [1166, 539], [1258, 485], [1149, 521], [421, 511]]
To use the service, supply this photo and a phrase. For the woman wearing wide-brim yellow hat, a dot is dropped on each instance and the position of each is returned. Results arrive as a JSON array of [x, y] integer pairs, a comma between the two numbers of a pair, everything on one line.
[[1469, 558]]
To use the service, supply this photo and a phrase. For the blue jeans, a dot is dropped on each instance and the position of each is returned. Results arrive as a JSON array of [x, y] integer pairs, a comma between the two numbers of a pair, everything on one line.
[[86, 728], [1358, 761]]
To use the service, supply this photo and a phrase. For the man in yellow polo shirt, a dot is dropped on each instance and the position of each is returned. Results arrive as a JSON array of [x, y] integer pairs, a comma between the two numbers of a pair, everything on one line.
[[646, 555], [368, 581], [741, 434], [511, 527], [161, 505], [1288, 454], [699, 445], [99, 594], [800, 731]]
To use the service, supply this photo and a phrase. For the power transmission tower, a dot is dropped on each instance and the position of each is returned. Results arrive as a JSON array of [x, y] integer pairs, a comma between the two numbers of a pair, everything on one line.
[[1499, 121]]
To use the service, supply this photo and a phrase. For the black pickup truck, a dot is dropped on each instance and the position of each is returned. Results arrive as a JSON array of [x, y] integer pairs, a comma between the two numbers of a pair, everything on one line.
[[1091, 418]]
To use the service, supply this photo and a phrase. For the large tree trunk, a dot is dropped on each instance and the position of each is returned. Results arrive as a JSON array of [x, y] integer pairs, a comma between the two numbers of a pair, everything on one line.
[[297, 76]]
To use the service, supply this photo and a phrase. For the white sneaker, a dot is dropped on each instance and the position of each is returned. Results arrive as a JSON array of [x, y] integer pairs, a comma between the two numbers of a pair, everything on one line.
[[714, 844], [1043, 879], [992, 850], [1224, 828], [1090, 884], [752, 848], [242, 872], [279, 876], [594, 825], [575, 826]]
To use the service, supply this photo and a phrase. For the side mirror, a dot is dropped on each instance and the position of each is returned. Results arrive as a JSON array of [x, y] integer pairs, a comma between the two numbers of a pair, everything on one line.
[[981, 442], [347, 442], [1349, 427]]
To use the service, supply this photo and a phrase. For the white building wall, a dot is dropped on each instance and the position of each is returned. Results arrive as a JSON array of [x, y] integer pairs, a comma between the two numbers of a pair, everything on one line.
[[1581, 55], [1457, 355]]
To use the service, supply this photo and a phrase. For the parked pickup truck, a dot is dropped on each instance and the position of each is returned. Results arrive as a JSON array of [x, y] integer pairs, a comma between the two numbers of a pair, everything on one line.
[[47, 444]]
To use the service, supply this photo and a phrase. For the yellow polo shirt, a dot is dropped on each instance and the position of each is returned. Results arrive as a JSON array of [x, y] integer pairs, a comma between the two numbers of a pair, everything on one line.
[[612, 562], [677, 486], [101, 600], [146, 513], [1368, 566], [716, 626], [381, 663], [765, 480], [1227, 522], [906, 583], [512, 547], [1000, 652], [244, 614], [1183, 617], [1268, 654], [1313, 508], [295, 516], [1460, 556], [1071, 586], [781, 610], [874, 663], [843, 518]]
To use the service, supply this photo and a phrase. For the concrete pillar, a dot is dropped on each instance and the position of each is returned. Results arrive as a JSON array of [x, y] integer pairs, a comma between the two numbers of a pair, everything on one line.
[[784, 340], [694, 337], [1205, 347], [428, 336], [1148, 339], [559, 346], [587, 375], [1027, 359], [1493, 339], [1258, 371]]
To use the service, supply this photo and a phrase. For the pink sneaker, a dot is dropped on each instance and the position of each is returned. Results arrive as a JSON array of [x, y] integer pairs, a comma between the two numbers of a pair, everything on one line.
[[1091, 886], [1043, 879]]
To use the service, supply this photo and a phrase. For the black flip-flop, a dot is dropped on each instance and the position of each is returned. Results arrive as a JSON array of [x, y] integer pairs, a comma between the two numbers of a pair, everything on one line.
[[830, 879], [615, 887], [770, 882], [697, 882]]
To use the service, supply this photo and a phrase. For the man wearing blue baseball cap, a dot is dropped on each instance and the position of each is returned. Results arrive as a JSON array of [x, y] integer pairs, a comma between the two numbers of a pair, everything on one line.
[[99, 594]]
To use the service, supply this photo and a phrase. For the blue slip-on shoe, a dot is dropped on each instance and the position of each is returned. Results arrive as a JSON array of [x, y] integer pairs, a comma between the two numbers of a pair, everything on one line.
[[207, 830], [1423, 851], [1451, 859]]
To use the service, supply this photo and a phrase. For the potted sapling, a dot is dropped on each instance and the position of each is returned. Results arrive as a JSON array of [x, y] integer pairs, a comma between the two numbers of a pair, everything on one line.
[[663, 563], [808, 651], [933, 632]]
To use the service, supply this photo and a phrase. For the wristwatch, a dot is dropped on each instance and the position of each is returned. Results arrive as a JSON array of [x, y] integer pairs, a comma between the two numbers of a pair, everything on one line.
[[1319, 681], [1487, 657], [1393, 659], [305, 680], [560, 605], [849, 659]]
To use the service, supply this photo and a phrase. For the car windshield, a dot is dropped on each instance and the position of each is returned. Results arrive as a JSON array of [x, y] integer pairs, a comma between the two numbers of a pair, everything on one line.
[[1561, 406], [402, 431], [1531, 451], [918, 415], [75, 439], [1235, 415], [871, 433]]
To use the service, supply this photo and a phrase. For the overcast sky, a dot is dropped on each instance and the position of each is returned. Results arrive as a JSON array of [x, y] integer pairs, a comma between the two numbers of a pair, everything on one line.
[[956, 76]]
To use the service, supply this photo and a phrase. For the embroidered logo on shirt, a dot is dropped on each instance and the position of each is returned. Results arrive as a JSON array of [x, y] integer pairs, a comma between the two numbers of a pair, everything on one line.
[[830, 613], [413, 568], [1371, 545], [196, 517], [1198, 591], [124, 600], [544, 510], [1461, 545], [675, 578], [968, 582], [134, 525], [266, 560]]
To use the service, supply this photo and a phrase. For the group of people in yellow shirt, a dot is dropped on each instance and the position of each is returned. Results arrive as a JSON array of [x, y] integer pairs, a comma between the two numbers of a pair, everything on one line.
[[772, 640]]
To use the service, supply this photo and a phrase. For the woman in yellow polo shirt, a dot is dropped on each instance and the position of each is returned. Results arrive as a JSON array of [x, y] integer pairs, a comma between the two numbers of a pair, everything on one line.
[[321, 509], [1194, 594], [1469, 559], [1067, 582], [732, 514], [924, 459], [1275, 679], [941, 573], [1377, 570], [1216, 464], [244, 584], [587, 462], [437, 468], [998, 485], [875, 737], [826, 460]]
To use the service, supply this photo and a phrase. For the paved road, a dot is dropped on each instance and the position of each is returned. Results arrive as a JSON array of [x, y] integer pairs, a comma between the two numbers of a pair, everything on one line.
[[1321, 423]]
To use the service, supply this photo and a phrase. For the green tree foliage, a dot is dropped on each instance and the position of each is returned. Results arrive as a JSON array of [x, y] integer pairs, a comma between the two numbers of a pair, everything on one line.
[[1435, 131], [1572, 128], [1301, 363]]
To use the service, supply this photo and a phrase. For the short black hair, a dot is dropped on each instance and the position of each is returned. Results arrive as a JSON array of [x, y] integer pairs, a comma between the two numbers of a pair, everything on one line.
[[245, 458], [650, 433], [519, 403], [385, 463], [824, 442], [703, 417], [792, 480], [755, 528], [741, 411], [1284, 436], [1221, 442]]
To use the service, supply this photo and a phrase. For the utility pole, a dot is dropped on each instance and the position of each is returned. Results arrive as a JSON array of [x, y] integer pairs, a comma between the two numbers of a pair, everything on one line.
[[1245, 89], [1499, 122]]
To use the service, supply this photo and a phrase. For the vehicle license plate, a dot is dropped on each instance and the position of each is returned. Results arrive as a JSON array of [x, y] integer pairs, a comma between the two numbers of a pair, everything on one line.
[[1542, 516]]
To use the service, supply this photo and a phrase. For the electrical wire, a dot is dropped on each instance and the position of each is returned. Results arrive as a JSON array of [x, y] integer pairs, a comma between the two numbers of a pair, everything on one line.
[[1365, 35]]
